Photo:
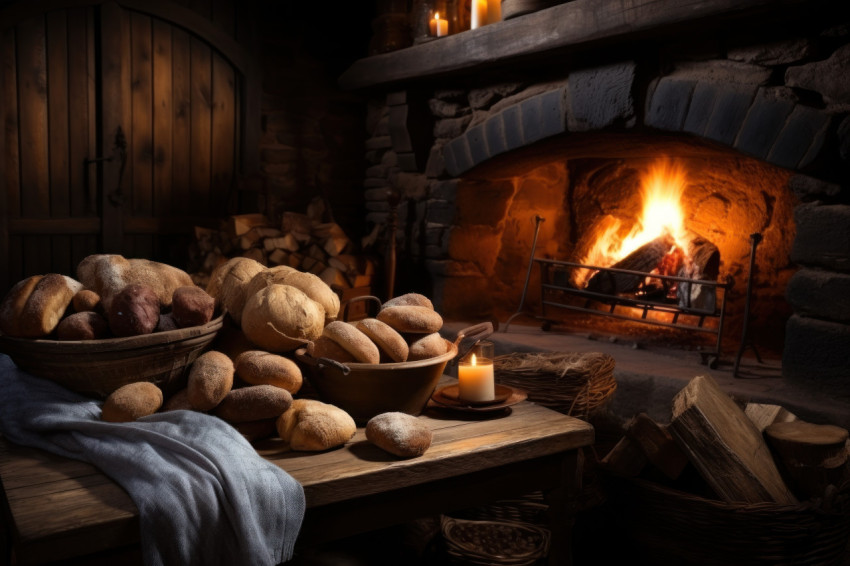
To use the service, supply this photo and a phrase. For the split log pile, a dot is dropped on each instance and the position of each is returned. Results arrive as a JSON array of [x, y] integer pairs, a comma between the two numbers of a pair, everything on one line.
[[757, 453], [305, 242]]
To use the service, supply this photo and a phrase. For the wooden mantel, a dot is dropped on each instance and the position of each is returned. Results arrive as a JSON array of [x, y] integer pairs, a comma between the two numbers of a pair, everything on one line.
[[572, 24]]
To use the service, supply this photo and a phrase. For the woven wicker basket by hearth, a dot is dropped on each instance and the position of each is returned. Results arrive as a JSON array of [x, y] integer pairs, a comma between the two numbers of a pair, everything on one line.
[[669, 526], [573, 383], [494, 543]]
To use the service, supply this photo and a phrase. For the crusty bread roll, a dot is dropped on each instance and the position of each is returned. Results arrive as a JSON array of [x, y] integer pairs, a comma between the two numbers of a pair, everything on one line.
[[210, 380], [409, 299], [87, 300], [399, 433], [259, 367], [34, 306], [133, 311], [427, 346], [253, 402], [411, 319], [310, 284], [281, 318], [86, 325], [311, 425], [228, 284], [107, 274], [324, 347], [390, 343], [132, 401], [353, 341], [191, 306]]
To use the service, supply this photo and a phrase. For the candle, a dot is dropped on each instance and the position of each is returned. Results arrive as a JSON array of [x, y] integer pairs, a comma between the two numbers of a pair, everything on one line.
[[479, 13], [439, 27], [475, 380]]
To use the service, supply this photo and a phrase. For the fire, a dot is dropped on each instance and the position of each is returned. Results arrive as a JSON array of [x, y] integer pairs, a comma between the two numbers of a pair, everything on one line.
[[662, 186]]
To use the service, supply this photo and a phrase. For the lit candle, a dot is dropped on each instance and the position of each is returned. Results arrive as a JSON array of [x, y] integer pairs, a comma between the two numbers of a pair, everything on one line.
[[439, 27], [479, 13], [475, 380]]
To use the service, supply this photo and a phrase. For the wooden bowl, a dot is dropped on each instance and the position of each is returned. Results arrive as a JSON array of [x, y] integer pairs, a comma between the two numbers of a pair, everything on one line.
[[98, 367], [366, 390]]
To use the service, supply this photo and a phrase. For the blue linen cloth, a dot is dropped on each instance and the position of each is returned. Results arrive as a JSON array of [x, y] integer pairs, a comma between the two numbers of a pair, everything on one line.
[[204, 495]]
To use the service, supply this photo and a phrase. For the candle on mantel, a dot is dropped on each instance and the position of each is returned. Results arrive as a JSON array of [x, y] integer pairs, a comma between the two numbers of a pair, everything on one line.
[[439, 27], [475, 379], [479, 13]]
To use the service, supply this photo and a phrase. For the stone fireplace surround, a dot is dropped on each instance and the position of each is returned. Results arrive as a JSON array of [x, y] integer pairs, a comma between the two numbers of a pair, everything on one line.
[[780, 96]]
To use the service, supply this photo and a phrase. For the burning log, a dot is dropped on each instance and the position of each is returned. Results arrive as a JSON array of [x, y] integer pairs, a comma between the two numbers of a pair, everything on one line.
[[704, 265], [644, 259]]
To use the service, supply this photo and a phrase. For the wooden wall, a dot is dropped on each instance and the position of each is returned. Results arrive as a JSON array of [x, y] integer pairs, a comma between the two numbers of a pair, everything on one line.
[[166, 84]]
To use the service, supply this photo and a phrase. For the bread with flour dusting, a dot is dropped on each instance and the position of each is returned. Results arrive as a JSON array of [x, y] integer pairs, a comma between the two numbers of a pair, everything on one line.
[[107, 274], [35, 305]]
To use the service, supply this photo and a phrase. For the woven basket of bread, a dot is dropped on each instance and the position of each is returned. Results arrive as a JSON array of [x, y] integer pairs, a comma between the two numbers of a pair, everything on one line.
[[98, 367], [573, 383], [494, 543]]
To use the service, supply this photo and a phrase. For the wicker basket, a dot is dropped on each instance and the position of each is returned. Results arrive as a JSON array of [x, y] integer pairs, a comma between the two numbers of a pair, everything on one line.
[[99, 367], [576, 384], [529, 508], [672, 527], [494, 543]]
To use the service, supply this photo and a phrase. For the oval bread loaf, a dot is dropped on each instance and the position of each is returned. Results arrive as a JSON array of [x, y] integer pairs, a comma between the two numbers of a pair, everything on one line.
[[228, 284], [324, 347], [132, 401], [34, 306], [427, 346], [409, 299], [259, 367], [390, 343], [309, 283], [411, 319], [210, 380], [107, 274], [86, 325], [191, 306], [280, 318], [353, 341], [399, 433], [312, 425], [253, 403]]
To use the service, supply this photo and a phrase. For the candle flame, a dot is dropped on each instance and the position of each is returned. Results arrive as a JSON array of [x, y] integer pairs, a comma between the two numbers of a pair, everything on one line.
[[473, 360], [436, 15]]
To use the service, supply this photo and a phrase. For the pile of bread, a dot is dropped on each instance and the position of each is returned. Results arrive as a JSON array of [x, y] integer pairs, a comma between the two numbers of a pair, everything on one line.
[[248, 378]]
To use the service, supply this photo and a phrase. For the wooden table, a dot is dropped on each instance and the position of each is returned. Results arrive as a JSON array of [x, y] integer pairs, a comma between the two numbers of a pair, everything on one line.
[[56, 508]]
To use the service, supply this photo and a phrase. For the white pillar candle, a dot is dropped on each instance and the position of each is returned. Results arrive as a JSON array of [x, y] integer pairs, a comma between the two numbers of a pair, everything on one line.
[[479, 13], [439, 27], [475, 380]]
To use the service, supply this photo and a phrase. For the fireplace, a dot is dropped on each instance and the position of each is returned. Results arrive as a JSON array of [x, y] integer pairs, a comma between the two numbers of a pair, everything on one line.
[[566, 130]]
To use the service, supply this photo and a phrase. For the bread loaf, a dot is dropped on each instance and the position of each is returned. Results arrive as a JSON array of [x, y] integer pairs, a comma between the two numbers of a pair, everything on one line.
[[280, 318], [259, 367], [399, 433], [353, 341], [412, 319], [132, 401], [210, 380], [107, 274], [310, 284], [87, 300], [229, 282], [324, 347], [133, 311], [34, 306], [427, 346], [87, 325], [390, 343], [409, 299], [252, 403], [191, 306], [311, 425]]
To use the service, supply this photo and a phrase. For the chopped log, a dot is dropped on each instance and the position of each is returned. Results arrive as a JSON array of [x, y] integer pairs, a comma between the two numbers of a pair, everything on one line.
[[336, 245], [278, 257], [255, 254], [328, 230], [643, 259], [763, 415], [287, 242], [725, 446], [295, 222], [241, 223], [295, 260], [626, 459], [703, 264], [334, 278], [658, 445], [339, 265], [813, 456]]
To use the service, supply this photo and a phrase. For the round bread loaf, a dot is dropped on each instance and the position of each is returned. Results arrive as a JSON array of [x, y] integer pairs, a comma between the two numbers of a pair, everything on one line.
[[310, 284], [391, 344], [86, 325], [280, 318], [268, 276], [399, 433], [259, 367], [353, 341], [107, 274], [411, 319], [210, 380], [87, 300], [191, 306], [229, 282], [179, 401], [324, 347], [133, 311], [34, 306], [132, 401], [409, 299], [311, 425], [428, 346], [252, 403]]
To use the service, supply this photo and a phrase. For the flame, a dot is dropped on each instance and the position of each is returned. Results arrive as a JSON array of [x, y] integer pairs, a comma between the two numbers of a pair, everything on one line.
[[662, 186], [472, 361], [436, 15]]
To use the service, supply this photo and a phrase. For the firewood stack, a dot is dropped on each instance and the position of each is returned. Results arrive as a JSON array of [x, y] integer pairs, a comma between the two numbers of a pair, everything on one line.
[[302, 241], [755, 454]]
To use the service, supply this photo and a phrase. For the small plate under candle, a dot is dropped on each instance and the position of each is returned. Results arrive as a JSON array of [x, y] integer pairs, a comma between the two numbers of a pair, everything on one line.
[[448, 397], [502, 392]]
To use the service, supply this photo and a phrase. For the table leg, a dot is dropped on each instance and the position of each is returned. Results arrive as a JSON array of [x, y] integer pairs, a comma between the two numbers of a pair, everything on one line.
[[563, 506]]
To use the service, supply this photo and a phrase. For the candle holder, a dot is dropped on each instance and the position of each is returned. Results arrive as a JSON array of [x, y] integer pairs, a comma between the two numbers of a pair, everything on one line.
[[476, 381]]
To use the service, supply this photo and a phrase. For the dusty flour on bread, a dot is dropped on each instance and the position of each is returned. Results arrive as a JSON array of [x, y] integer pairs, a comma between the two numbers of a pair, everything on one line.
[[399, 433]]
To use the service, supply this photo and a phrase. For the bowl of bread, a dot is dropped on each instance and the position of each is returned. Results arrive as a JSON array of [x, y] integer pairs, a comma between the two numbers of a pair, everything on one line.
[[119, 321]]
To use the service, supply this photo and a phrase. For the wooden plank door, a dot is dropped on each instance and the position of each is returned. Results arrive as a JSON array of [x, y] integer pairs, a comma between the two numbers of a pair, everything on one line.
[[125, 126]]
